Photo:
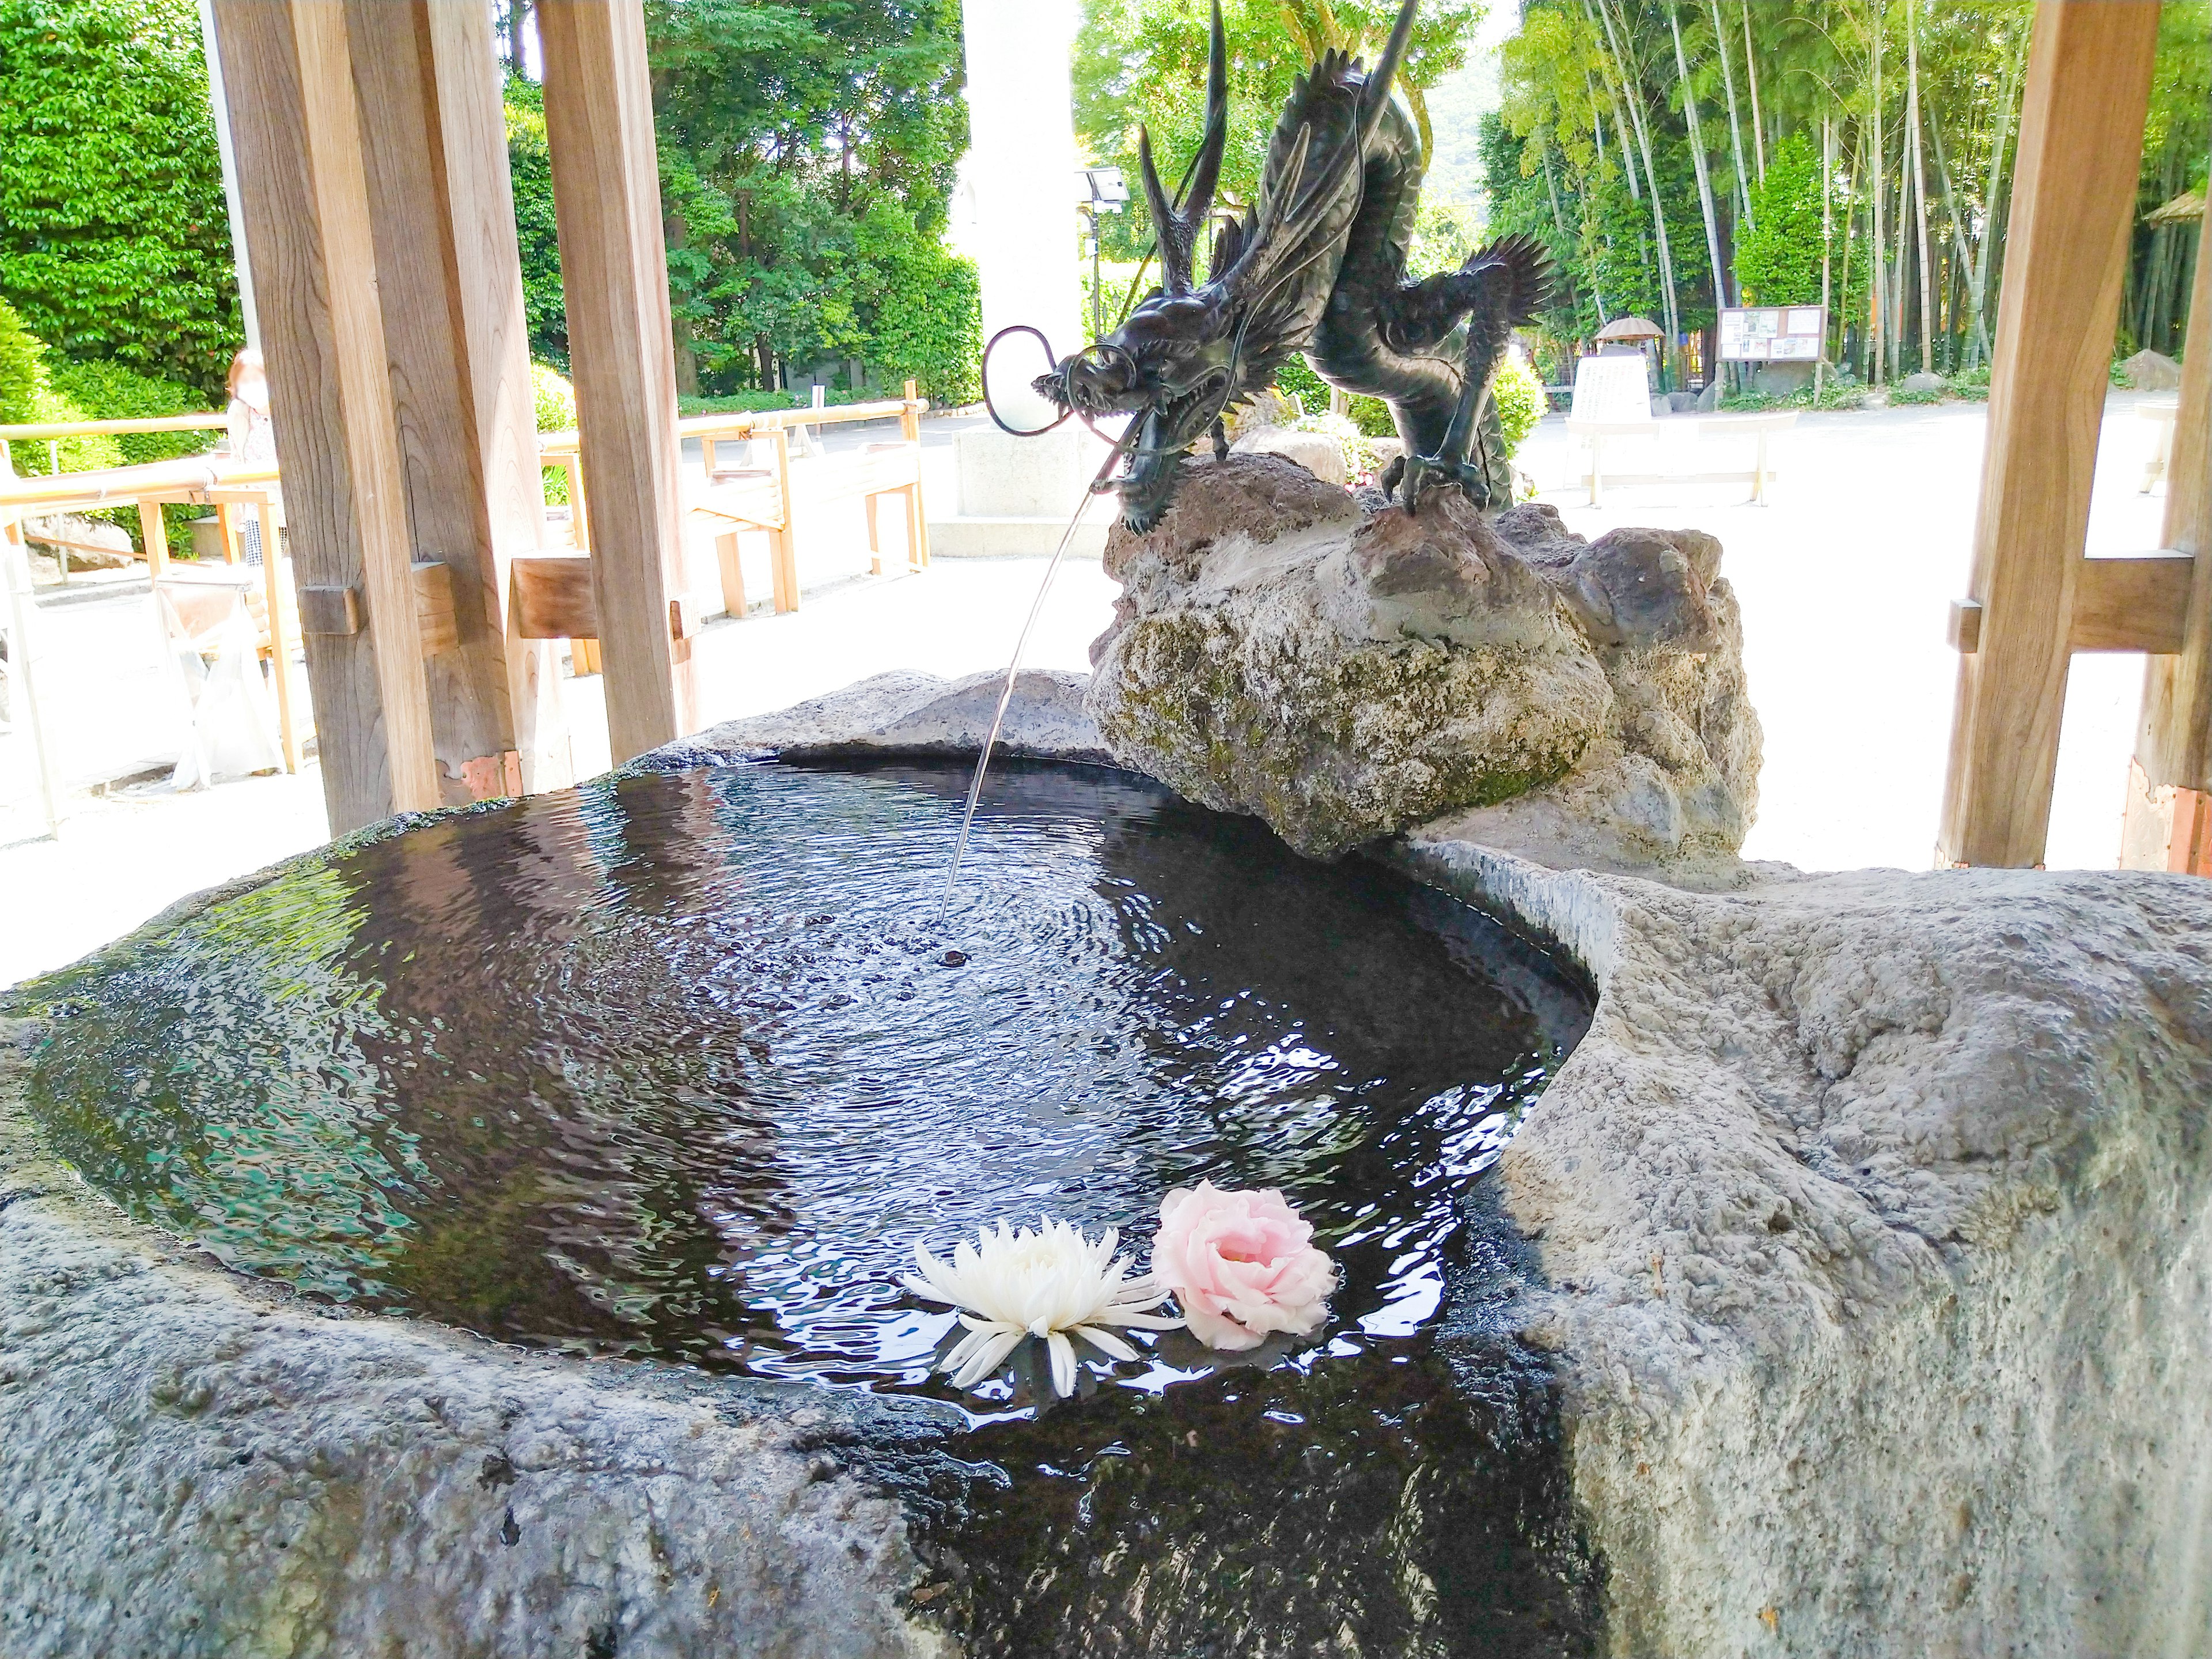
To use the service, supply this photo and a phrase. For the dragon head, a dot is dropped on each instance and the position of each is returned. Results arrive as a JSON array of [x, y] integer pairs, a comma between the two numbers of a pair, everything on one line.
[[1186, 352]]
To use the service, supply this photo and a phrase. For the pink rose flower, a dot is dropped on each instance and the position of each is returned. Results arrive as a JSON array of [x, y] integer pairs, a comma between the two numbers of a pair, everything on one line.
[[1242, 1264]]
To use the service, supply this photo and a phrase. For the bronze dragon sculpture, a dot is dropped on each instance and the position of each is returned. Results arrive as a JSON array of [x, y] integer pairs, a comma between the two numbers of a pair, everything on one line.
[[1317, 265]]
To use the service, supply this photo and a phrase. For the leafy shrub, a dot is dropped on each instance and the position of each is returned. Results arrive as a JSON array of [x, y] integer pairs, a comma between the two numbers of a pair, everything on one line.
[[109, 392], [1372, 417], [114, 242], [1359, 456], [22, 371], [1905, 394], [28, 396], [759, 402], [555, 399], [1972, 384], [1296, 378], [1519, 396]]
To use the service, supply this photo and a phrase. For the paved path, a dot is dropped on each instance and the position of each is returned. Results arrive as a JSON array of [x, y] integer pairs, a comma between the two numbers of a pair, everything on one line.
[[1845, 580]]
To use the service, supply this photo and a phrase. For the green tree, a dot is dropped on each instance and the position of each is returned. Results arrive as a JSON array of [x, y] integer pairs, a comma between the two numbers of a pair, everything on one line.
[[113, 239], [1778, 259]]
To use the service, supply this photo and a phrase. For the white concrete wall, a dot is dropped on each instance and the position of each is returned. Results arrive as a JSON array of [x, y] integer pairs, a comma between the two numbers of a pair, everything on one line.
[[1020, 170]]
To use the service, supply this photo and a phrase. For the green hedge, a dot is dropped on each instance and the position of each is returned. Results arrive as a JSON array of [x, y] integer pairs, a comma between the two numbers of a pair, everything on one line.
[[114, 243], [109, 392]]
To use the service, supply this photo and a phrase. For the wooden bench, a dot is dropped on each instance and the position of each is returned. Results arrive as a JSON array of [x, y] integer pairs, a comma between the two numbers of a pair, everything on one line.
[[553, 594], [1758, 428]]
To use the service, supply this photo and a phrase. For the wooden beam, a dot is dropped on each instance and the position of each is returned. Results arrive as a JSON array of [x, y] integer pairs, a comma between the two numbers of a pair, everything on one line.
[[2080, 148], [449, 283], [606, 195], [2132, 605], [2174, 747], [293, 112]]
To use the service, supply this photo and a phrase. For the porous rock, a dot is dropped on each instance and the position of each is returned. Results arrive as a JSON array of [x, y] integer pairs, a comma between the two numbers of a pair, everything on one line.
[[1316, 451], [1345, 671], [2152, 371], [906, 713], [1876, 1212]]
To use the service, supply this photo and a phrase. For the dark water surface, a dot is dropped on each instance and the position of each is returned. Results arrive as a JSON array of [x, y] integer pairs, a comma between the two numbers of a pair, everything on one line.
[[675, 1066]]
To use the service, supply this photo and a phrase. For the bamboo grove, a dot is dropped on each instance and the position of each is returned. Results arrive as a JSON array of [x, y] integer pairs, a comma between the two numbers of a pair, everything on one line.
[[1679, 156]]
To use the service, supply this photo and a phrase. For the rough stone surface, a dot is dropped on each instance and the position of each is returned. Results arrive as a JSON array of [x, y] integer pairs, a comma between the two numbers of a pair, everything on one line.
[[1316, 451], [193, 1463], [2152, 371], [906, 713], [94, 544], [1877, 1209], [1923, 380], [1709, 398], [1345, 671]]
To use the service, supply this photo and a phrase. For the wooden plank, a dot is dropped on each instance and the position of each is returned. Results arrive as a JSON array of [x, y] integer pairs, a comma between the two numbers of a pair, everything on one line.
[[554, 598], [606, 193], [2175, 743], [2132, 605], [290, 91], [437, 618], [2080, 146]]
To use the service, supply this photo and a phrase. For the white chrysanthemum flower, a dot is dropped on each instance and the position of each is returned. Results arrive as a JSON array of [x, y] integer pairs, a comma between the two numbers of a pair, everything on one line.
[[1053, 1283]]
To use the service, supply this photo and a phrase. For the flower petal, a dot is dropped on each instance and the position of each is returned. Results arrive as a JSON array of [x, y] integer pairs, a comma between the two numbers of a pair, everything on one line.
[[1063, 1364]]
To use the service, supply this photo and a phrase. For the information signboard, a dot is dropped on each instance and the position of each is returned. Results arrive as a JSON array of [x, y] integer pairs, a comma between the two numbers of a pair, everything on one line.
[[1772, 334]]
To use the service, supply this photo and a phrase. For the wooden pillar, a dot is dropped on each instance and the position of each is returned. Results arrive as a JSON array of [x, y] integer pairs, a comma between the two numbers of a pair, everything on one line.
[[614, 271], [2170, 787], [2080, 146], [293, 115], [449, 280]]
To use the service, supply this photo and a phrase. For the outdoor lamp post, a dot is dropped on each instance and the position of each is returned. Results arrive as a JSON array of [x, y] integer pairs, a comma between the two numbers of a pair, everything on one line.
[[1098, 190]]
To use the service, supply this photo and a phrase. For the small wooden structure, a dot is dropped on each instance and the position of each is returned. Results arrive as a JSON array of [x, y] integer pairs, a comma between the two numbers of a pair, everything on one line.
[[2034, 599]]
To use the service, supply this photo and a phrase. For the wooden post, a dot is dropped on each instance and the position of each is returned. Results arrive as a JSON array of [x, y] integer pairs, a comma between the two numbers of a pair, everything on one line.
[[449, 280], [280, 642], [2170, 783], [156, 535], [614, 269], [293, 113], [2080, 147], [782, 542], [917, 517]]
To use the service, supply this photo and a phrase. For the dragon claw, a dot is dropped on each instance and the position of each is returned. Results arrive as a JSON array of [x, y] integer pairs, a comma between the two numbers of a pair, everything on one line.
[[1421, 473]]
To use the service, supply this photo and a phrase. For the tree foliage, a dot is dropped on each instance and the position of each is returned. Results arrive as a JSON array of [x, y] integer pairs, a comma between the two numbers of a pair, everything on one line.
[[807, 151], [113, 238], [1777, 257], [1899, 114]]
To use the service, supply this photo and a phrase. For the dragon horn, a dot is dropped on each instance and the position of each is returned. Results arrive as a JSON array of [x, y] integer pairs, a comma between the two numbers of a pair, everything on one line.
[[1386, 69], [1207, 171], [1174, 246]]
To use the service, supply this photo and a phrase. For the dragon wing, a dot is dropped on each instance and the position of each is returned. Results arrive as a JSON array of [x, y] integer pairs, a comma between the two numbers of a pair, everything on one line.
[[1310, 193]]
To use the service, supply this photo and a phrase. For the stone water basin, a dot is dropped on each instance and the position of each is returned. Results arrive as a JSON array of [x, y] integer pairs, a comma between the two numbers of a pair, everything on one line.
[[1845, 1293], [665, 1076]]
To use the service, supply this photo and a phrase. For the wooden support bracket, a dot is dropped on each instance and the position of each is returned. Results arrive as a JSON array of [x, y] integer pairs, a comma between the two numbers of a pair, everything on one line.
[[554, 600], [333, 612], [2119, 604]]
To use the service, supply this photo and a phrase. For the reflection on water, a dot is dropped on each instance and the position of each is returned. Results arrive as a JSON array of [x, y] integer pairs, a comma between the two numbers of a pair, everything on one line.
[[676, 1066]]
